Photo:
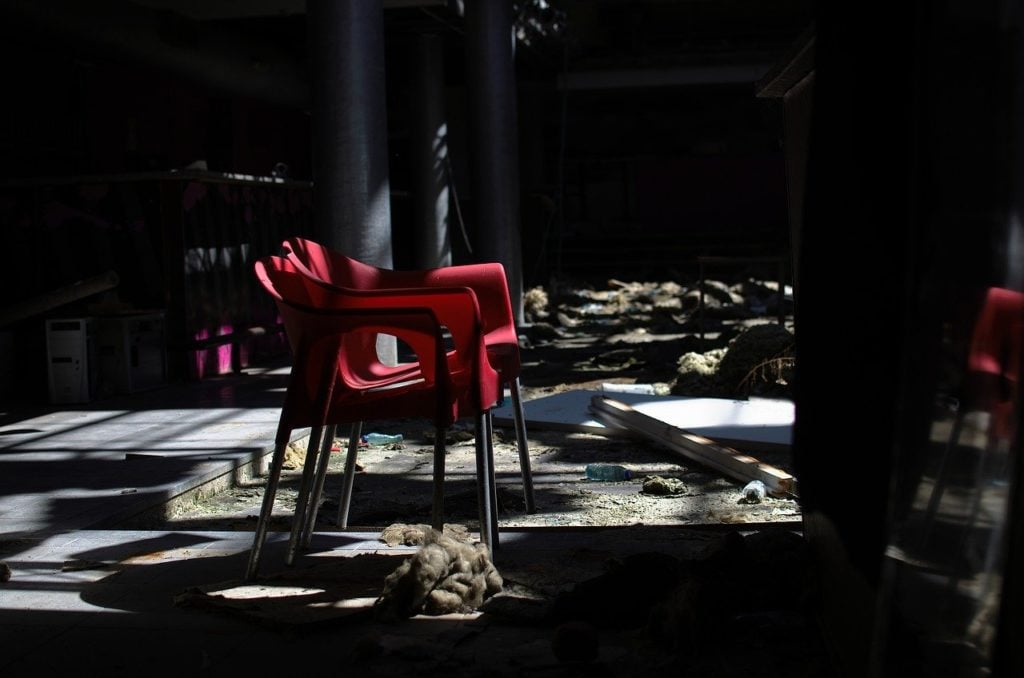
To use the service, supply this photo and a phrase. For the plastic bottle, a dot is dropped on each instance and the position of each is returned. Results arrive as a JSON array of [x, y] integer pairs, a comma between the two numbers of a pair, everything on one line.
[[754, 492], [382, 438], [608, 472]]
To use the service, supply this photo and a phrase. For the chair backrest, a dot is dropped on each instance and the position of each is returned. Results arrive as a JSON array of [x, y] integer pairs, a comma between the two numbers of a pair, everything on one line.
[[487, 280], [321, 318], [994, 358], [334, 267], [322, 324], [996, 342]]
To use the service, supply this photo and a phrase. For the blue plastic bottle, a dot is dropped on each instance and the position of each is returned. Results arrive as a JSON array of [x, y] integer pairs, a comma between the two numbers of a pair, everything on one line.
[[608, 472], [382, 438]]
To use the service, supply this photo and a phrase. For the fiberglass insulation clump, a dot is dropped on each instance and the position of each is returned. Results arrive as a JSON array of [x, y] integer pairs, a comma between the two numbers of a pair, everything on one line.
[[444, 576]]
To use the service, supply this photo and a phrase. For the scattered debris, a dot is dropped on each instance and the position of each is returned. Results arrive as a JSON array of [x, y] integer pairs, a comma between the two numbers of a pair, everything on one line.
[[702, 363], [663, 486], [451, 436], [382, 439], [444, 576], [562, 359], [294, 456], [758, 424], [747, 365], [753, 493], [535, 303], [697, 373], [642, 389], [608, 472], [694, 447], [418, 535], [758, 361]]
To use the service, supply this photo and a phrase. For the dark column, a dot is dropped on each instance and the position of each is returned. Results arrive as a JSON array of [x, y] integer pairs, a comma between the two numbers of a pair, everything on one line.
[[797, 105], [430, 154], [493, 138], [351, 196]]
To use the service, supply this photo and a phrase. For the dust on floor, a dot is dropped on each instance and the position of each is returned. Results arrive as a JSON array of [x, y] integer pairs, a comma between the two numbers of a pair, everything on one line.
[[637, 602], [394, 484]]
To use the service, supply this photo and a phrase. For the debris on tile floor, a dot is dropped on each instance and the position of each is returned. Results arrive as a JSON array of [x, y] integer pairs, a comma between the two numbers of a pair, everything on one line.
[[725, 460], [742, 423], [445, 575], [623, 603], [395, 485], [651, 322], [679, 576]]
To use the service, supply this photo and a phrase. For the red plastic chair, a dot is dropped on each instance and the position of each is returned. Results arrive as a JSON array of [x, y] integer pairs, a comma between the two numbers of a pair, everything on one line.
[[487, 281], [330, 385], [990, 385]]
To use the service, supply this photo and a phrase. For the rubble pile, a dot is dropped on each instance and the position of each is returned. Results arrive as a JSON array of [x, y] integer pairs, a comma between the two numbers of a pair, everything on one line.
[[733, 347]]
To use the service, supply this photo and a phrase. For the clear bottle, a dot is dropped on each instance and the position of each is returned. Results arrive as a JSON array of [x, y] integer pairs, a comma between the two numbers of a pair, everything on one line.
[[608, 472], [754, 492], [382, 438]]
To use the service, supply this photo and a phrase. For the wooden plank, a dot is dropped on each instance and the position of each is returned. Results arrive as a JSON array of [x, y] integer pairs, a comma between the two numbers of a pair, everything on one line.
[[726, 460], [757, 424]]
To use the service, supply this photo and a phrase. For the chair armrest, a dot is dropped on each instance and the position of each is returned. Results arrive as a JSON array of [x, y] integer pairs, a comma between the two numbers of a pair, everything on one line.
[[454, 308], [487, 281]]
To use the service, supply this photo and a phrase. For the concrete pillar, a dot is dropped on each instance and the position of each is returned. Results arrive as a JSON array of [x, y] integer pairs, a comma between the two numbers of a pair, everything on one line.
[[797, 106], [351, 194], [490, 52], [430, 155]]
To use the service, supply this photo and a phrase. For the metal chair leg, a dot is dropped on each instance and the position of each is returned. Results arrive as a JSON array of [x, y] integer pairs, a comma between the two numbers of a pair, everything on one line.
[[939, 484], [437, 514], [313, 507], [305, 488], [491, 483], [524, 450], [485, 486], [267, 508], [348, 479]]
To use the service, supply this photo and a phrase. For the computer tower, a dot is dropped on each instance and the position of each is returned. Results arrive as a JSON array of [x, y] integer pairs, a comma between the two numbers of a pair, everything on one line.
[[71, 359]]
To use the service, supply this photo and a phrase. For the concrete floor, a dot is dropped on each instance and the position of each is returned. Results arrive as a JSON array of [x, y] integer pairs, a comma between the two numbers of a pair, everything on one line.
[[84, 598], [87, 598]]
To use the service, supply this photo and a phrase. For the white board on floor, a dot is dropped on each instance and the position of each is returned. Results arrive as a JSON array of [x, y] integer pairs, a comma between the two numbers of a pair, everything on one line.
[[758, 422]]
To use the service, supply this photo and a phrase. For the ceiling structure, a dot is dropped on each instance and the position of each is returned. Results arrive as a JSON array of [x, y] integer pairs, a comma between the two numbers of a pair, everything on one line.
[[630, 99], [259, 46], [589, 44]]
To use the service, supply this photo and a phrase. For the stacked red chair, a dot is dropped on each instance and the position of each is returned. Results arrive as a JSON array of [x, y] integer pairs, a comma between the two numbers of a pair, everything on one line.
[[487, 281], [335, 379]]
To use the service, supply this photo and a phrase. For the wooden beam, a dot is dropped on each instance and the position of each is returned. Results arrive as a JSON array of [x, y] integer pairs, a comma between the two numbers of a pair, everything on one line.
[[723, 459]]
